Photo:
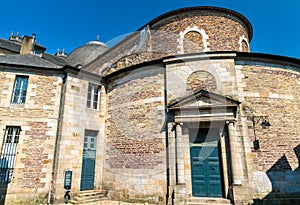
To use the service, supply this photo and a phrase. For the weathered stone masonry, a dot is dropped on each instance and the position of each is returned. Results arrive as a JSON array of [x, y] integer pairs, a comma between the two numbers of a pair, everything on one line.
[[181, 103], [38, 122], [273, 91], [134, 128]]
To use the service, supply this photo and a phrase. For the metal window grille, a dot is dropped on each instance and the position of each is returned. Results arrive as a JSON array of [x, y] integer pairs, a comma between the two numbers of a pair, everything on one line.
[[93, 96], [20, 89], [8, 154]]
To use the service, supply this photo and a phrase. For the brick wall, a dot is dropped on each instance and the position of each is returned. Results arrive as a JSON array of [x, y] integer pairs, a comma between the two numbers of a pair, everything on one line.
[[196, 31], [201, 80], [272, 90], [38, 121], [223, 30], [135, 141], [193, 42], [35, 156]]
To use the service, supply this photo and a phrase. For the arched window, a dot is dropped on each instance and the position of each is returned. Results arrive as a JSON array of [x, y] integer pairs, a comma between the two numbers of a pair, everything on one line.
[[244, 45], [192, 42], [201, 80]]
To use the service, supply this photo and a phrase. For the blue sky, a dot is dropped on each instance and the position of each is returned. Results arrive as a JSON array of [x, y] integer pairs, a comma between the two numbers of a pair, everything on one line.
[[67, 24]]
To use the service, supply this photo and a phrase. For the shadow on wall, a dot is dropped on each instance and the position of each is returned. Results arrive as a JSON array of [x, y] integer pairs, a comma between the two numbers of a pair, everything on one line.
[[5, 178], [285, 183], [3, 191]]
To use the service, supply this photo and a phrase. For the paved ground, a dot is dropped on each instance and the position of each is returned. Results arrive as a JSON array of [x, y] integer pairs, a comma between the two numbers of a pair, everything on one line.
[[107, 202]]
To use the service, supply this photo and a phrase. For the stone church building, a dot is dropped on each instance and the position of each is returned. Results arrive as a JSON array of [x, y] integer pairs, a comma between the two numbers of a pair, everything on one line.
[[179, 112]]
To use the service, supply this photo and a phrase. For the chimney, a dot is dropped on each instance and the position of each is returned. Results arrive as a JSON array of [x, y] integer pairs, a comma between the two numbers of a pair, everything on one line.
[[28, 44]]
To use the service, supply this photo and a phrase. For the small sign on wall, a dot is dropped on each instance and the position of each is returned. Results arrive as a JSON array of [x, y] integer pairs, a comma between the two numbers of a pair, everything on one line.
[[68, 180]]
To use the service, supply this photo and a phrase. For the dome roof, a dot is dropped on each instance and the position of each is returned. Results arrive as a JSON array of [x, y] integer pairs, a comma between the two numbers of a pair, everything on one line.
[[85, 54]]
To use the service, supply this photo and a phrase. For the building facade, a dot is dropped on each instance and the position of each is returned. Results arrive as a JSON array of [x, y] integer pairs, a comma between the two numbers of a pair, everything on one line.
[[179, 112]]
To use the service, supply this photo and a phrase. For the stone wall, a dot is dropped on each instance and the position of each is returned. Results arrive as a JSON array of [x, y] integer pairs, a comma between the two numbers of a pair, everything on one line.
[[180, 33], [201, 80], [208, 73], [272, 90], [38, 119], [135, 138], [186, 74], [77, 118], [265, 90], [222, 29]]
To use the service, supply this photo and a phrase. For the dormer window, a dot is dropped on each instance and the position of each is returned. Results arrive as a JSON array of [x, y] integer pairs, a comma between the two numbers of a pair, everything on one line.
[[38, 50]]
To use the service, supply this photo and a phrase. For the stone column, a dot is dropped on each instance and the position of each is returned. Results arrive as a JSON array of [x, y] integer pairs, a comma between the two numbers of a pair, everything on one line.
[[180, 156], [172, 154], [171, 161], [235, 157], [180, 195]]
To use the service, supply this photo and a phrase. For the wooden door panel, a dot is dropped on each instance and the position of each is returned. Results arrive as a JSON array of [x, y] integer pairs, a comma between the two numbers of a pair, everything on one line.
[[206, 178], [88, 162]]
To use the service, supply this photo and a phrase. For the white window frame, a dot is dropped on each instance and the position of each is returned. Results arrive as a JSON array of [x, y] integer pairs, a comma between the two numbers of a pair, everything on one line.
[[20, 89], [9, 153], [94, 91]]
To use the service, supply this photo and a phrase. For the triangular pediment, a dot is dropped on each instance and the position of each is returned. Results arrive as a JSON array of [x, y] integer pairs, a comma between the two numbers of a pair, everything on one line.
[[202, 99]]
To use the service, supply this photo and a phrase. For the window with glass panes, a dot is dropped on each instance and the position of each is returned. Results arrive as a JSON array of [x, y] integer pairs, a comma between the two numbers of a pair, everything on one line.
[[9, 153], [20, 89], [93, 96]]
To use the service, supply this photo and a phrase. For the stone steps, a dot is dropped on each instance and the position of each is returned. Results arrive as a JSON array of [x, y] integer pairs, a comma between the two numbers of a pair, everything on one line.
[[278, 201], [89, 197], [208, 201], [108, 202]]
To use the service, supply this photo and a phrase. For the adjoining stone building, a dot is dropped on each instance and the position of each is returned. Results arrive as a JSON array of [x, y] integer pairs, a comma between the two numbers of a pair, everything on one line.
[[179, 112], [45, 104]]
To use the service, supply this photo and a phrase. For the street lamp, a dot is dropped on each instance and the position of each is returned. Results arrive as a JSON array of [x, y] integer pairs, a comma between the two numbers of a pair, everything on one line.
[[264, 125]]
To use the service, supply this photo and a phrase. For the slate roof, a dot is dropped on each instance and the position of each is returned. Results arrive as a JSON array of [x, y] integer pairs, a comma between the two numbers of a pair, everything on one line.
[[10, 45], [46, 60], [27, 60], [80, 56], [55, 59]]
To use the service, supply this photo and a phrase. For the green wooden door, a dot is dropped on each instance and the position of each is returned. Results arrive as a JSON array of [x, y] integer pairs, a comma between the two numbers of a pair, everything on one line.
[[88, 161], [206, 177]]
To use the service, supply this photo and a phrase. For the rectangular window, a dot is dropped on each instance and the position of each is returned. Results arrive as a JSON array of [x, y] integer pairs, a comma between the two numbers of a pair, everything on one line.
[[93, 96], [20, 89], [8, 153], [90, 140]]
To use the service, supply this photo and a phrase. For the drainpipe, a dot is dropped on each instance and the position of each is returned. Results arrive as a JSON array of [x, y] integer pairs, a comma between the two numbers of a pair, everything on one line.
[[167, 134], [60, 110]]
